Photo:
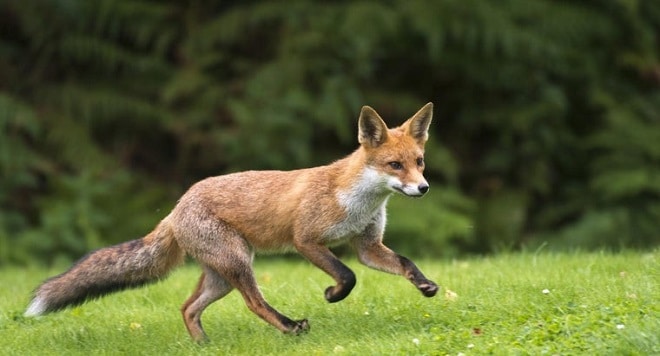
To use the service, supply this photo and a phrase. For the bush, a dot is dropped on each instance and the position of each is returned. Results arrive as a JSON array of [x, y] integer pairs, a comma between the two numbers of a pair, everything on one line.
[[546, 118]]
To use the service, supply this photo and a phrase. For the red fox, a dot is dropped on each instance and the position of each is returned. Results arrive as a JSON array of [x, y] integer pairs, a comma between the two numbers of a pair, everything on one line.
[[222, 221]]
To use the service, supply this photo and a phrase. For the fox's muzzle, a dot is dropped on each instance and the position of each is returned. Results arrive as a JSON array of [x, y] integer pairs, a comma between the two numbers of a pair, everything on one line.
[[413, 191]]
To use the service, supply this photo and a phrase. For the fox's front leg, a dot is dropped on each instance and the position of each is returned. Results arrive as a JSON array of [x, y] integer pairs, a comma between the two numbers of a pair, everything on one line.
[[374, 254], [323, 258]]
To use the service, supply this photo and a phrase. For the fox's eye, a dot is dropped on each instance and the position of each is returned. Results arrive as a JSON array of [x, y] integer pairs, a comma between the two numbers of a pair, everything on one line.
[[396, 165], [420, 161]]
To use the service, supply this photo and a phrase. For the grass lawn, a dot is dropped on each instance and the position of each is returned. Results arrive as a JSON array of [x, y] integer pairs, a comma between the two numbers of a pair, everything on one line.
[[592, 304]]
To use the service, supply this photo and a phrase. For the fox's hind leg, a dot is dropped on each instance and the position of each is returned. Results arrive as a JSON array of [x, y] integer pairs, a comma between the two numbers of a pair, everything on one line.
[[246, 284], [236, 267], [210, 288], [227, 257]]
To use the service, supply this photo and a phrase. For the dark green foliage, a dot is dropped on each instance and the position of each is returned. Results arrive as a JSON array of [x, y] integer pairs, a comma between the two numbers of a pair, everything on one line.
[[546, 125]]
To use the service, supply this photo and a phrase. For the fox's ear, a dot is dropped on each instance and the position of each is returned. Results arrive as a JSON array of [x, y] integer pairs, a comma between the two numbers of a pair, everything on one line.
[[418, 125], [372, 130]]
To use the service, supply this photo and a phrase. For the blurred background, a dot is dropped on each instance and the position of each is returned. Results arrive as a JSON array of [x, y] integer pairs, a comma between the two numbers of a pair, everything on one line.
[[546, 127]]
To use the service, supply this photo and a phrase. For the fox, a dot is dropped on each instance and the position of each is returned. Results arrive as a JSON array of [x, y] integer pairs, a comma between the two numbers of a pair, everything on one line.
[[222, 221]]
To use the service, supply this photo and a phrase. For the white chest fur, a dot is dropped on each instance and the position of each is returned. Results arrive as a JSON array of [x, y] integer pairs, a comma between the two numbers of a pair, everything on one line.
[[364, 204]]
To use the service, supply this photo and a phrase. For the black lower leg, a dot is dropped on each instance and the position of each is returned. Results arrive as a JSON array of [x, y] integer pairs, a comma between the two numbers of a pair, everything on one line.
[[345, 283], [414, 275]]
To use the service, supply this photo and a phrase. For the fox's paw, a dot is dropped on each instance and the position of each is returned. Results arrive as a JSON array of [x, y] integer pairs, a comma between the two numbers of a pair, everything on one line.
[[428, 288], [338, 292], [301, 327], [332, 296]]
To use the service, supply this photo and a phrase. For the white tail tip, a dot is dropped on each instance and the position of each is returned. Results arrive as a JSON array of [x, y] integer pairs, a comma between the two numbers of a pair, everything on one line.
[[37, 307]]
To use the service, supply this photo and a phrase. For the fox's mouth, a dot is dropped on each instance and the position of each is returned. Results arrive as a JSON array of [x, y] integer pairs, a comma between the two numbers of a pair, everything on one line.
[[403, 192], [398, 189]]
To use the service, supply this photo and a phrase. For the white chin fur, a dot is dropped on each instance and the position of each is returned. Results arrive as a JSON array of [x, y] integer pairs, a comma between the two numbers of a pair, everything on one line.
[[406, 190], [37, 307]]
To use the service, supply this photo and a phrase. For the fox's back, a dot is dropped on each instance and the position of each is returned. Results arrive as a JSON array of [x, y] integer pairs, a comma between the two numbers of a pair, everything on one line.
[[263, 206]]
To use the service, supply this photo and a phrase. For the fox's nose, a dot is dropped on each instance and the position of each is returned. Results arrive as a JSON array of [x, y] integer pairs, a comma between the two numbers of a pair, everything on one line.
[[423, 188]]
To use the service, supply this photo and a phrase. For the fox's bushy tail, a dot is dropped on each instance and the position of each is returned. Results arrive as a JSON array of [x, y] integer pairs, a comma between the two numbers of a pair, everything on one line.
[[128, 265]]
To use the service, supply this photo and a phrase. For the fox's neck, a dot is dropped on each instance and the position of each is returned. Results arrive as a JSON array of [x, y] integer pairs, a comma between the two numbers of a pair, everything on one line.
[[361, 188]]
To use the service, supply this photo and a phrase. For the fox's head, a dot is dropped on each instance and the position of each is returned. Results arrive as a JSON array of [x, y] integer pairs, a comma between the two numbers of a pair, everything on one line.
[[396, 155]]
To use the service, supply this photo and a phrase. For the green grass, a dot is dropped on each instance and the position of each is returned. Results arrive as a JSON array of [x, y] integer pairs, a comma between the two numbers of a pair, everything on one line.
[[596, 304]]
